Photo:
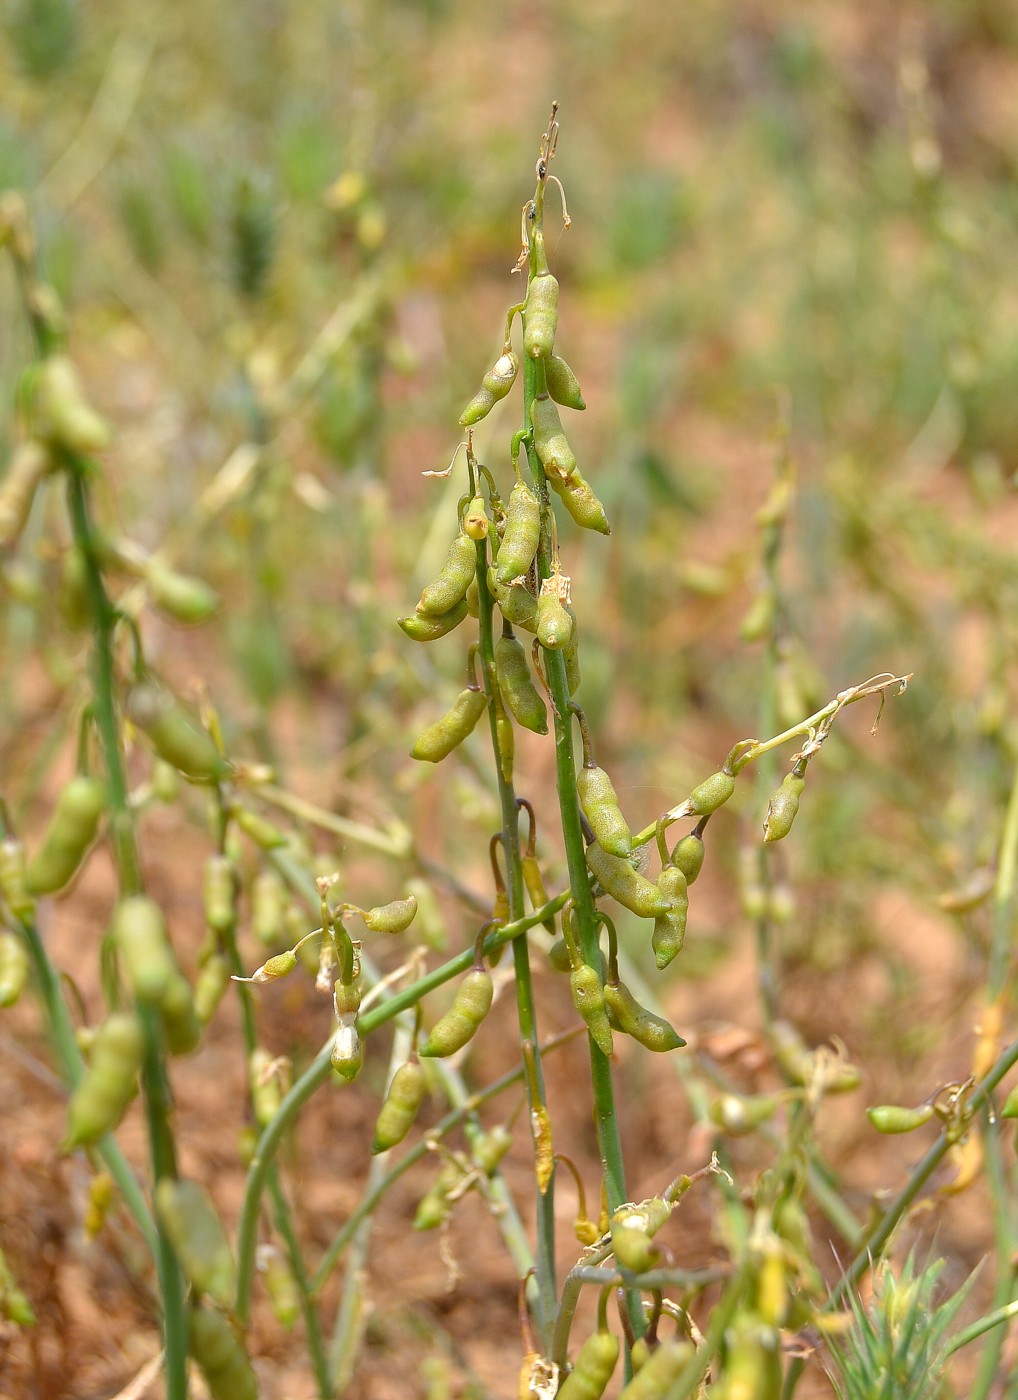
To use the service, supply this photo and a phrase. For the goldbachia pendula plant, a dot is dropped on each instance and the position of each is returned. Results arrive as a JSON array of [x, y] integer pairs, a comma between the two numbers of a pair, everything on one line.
[[504, 589]]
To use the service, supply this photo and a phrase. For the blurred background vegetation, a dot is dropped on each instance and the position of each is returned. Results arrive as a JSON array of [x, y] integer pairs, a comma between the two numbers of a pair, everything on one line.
[[290, 226]]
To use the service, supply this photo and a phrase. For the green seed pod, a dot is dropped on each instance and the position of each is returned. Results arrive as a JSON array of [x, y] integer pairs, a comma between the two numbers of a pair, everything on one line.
[[558, 956], [73, 600], [662, 1367], [472, 598], [562, 383], [550, 442], [181, 1026], [175, 733], [347, 1048], [798, 1062], [522, 534], [102, 1096], [588, 998], [616, 876], [577, 495], [1010, 1109], [600, 805], [633, 1249], [210, 988], [62, 413], [395, 917], [521, 696], [571, 656], [540, 316], [670, 928], [275, 968], [70, 833], [281, 1286], [892, 1118], [594, 1368], [470, 1006], [220, 1354], [635, 1020], [435, 1207], [450, 585], [439, 739], [494, 386], [14, 879], [782, 807], [555, 621], [268, 907], [475, 526], [218, 892], [490, 1149], [423, 627], [711, 794], [28, 465], [687, 855], [142, 941], [266, 1090], [402, 1103], [753, 1364], [516, 603], [14, 1304], [14, 965], [263, 833], [165, 782], [738, 1115], [196, 1233], [185, 599]]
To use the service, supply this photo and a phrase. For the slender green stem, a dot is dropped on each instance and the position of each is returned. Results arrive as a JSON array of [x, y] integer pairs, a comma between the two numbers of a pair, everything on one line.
[[981, 1326]]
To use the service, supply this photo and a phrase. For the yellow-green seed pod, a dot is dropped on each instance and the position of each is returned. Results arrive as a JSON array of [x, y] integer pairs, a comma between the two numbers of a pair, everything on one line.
[[218, 893], [475, 526], [28, 465], [14, 965], [738, 1114], [14, 879], [102, 1096], [489, 1150], [892, 1118], [175, 733], [281, 1286], [73, 602], [199, 1240], [670, 927], [266, 1089], [62, 413], [14, 1304], [639, 1354], [1010, 1109], [100, 1199], [522, 699], [550, 442], [600, 805], [347, 1048], [181, 1027], [435, 1207], [268, 907], [635, 1020], [210, 988], [798, 1062], [540, 316], [594, 1368], [140, 936], [662, 1367], [263, 833], [687, 855], [558, 956], [494, 386], [71, 831], [450, 585], [394, 917], [633, 1249], [579, 499], [555, 621], [423, 627], [588, 998], [782, 807], [165, 781], [185, 599], [533, 880], [275, 968], [522, 534], [617, 877], [562, 383], [439, 739], [515, 602], [473, 598], [470, 1006], [401, 1106], [711, 794], [221, 1356]]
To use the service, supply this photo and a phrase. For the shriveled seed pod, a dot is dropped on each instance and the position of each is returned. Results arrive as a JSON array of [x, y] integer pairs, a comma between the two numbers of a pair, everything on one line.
[[394, 917], [424, 627], [594, 1368], [470, 1006], [892, 1118], [110, 1082], [617, 877], [28, 465], [522, 534], [550, 442], [635, 1020], [220, 1354], [14, 965], [63, 414], [562, 383], [142, 941], [588, 998], [175, 733], [494, 386], [522, 699], [600, 805], [670, 927], [688, 855], [555, 621], [185, 599], [782, 807], [70, 833], [402, 1103], [449, 587], [439, 739], [711, 794], [540, 316], [199, 1240], [579, 499]]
